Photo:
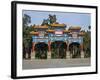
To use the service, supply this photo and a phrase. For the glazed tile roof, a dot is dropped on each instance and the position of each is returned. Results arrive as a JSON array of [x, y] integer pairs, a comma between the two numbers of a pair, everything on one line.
[[50, 30], [57, 25], [75, 28], [41, 27], [66, 31]]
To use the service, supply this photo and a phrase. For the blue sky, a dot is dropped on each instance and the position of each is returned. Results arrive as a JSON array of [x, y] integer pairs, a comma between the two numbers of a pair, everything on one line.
[[69, 18]]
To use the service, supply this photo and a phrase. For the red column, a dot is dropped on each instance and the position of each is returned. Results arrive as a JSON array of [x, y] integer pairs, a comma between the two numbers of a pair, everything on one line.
[[49, 43], [32, 46], [81, 46], [82, 52]]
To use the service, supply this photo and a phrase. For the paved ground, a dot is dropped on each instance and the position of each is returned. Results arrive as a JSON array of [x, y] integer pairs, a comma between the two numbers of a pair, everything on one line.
[[55, 63]]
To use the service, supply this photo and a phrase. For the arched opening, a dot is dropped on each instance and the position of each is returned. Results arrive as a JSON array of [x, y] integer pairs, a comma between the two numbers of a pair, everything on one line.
[[41, 49], [58, 50], [75, 51]]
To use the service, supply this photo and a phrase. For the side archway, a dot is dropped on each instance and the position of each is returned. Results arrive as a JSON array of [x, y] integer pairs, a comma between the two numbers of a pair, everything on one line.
[[75, 50]]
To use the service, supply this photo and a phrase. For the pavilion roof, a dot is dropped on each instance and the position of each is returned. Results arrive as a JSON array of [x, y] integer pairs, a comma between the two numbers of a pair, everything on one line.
[[50, 30], [57, 25], [41, 27], [75, 28], [66, 31]]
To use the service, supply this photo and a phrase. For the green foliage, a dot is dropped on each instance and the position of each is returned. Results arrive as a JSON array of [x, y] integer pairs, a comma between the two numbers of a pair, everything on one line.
[[27, 38], [87, 44], [75, 50], [58, 50], [45, 22], [38, 54], [26, 20], [50, 20], [89, 27]]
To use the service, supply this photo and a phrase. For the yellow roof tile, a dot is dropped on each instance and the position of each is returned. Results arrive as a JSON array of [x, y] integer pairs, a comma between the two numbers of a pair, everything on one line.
[[75, 28], [57, 25], [50, 30], [43, 27], [67, 31]]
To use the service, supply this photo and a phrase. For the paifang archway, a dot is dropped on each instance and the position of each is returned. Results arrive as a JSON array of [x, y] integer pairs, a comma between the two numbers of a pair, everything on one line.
[[41, 49], [75, 50], [58, 49]]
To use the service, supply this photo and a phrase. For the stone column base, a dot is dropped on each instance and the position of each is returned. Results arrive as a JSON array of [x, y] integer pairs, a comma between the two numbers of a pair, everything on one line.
[[33, 55], [68, 55], [26, 55], [49, 55], [82, 54]]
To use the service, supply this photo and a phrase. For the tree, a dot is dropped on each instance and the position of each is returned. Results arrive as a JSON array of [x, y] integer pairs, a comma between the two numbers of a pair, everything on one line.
[[87, 44], [45, 22], [52, 18], [26, 20], [89, 27], [26, 36]]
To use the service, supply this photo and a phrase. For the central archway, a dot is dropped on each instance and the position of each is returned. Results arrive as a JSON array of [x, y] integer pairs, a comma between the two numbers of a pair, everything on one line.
[[75, 51], [41, 49], [58, 50]]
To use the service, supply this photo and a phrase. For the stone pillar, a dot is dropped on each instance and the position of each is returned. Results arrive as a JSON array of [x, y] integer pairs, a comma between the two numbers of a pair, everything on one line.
[[68, 52], [49, 50], [82, 52], [33, 51]]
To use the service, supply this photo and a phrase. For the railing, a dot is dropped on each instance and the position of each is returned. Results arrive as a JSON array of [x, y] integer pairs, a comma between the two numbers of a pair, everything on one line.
[[78, 39], [57, 38], [40, 39]]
